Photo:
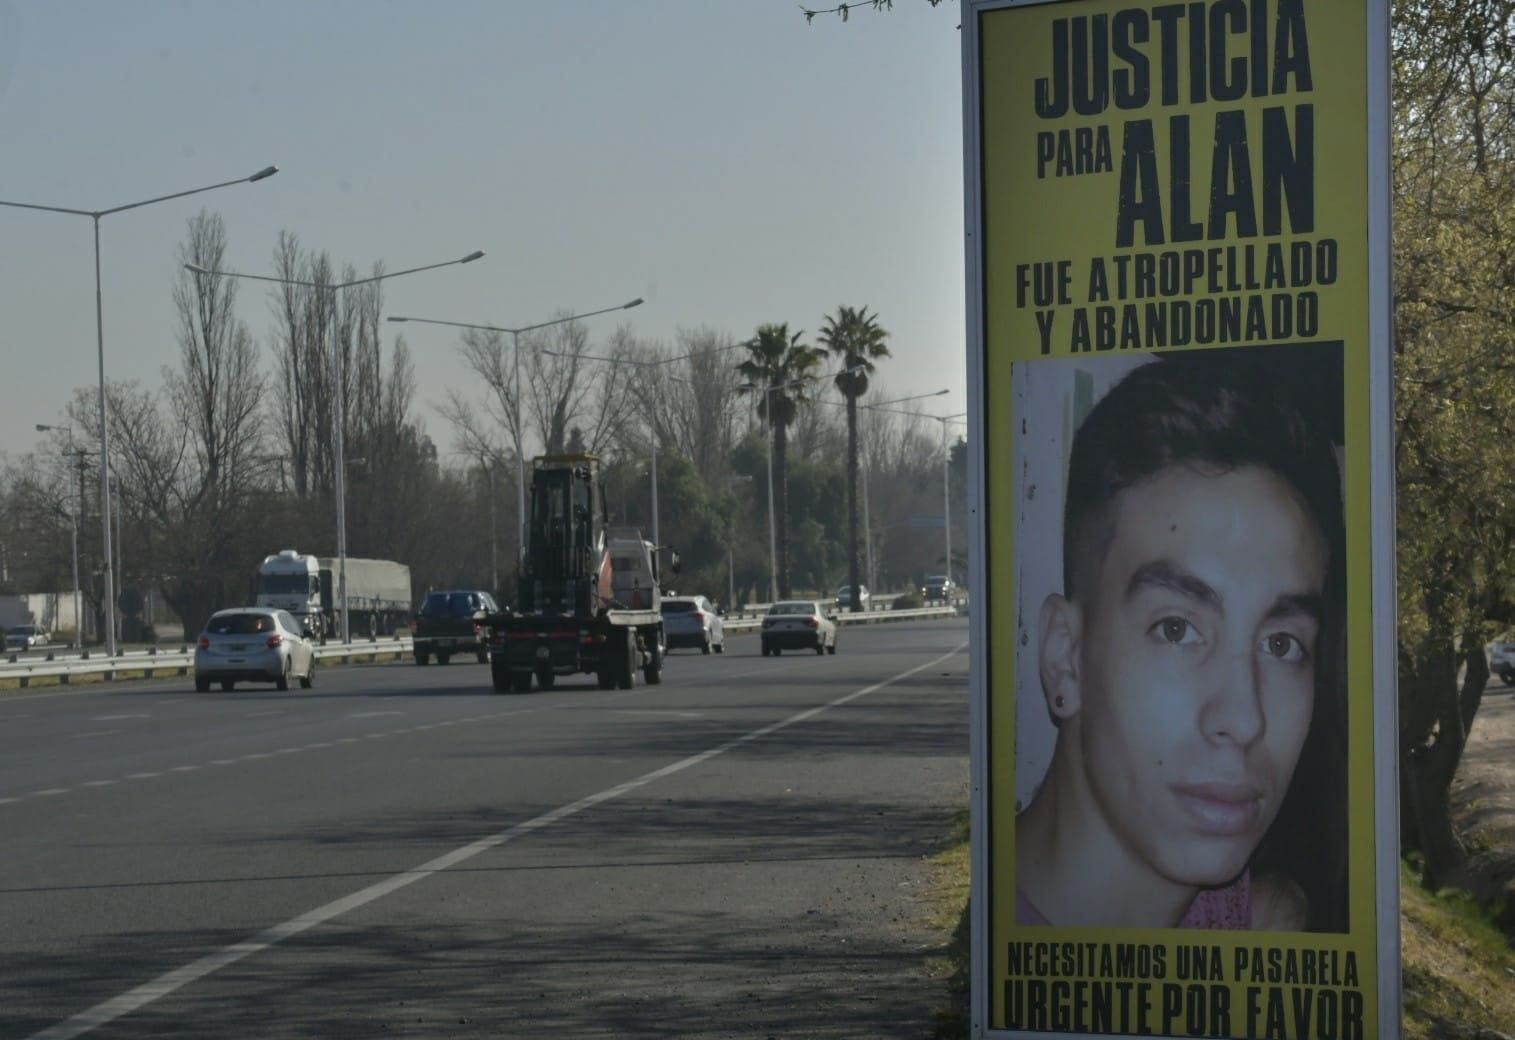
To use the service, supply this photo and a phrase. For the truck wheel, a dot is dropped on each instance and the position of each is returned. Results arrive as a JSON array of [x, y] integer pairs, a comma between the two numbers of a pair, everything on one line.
[[653, 671], [443, 658], [499, 675], [422, 657], [202, 685], [627, 680]]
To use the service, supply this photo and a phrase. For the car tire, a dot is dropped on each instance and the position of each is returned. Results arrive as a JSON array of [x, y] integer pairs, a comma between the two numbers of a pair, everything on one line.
[[202, 685], [720, 647], [227, 685], [282, 682], [499, 676], [309, 678], [820, 648], [1507, 677], [521, 682], [705, 646], [652, 672], [832, 648], [483, 656], [443, 658]]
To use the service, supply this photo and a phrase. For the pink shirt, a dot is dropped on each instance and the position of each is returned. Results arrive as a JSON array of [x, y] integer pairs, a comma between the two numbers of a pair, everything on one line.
[[1229, 907]]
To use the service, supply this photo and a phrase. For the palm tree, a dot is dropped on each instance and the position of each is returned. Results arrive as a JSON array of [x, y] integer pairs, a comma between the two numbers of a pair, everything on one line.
[[780, 370], [857, 340]]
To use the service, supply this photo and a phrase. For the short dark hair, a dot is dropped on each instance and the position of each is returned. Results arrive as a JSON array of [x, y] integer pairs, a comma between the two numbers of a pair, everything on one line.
[[1213, 411]]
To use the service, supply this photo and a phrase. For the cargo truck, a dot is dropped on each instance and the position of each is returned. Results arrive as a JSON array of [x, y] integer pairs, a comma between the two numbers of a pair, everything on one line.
[[588, 596], [378, 592]]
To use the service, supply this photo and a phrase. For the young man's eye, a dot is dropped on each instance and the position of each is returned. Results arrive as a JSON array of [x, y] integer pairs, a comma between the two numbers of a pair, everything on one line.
[[1284, 646], [1175, 631]]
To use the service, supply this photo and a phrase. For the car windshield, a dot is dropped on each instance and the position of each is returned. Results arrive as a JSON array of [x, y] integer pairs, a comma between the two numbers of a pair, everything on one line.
[[679, 606], [239, 624], [792, 608]]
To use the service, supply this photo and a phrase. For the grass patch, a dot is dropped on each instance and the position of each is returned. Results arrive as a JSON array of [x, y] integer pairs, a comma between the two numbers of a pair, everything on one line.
[[952, 873], [1458, 967]]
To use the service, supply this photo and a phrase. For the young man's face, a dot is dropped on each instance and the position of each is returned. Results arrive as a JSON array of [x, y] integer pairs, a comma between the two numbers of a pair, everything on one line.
[[1196, 666]]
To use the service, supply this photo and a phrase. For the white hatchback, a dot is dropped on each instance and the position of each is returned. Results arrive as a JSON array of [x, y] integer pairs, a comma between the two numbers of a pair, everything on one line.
[[254, 644]]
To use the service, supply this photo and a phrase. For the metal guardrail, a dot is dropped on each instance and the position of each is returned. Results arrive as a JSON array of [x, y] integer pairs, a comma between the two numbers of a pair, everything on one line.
[[137, 664], [145, 663]]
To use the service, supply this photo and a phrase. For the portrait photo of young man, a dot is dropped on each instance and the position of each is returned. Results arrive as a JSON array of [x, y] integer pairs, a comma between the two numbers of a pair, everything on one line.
[[1181, 688]]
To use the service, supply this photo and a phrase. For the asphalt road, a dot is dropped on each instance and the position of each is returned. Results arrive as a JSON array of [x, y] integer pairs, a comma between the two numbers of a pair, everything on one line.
[[737, 852]]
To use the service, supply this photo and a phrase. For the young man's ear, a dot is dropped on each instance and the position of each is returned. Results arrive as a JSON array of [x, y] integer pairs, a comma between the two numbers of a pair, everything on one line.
[[1061, 630]]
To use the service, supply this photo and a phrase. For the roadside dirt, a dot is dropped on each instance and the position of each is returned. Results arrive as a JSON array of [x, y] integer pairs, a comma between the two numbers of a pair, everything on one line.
[[1483, 799]]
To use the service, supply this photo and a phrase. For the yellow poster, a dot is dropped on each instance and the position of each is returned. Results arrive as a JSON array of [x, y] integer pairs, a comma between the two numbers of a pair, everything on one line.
[[1180, 754]]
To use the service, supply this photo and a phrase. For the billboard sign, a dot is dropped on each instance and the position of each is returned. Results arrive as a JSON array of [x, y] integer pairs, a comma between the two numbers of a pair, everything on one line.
[[1183, 713]]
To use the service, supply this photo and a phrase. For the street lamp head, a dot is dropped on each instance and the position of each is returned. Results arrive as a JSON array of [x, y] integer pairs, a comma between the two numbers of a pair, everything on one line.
[[634, 303], [197, 269], [395, 317], [471, 257], [263, 174]]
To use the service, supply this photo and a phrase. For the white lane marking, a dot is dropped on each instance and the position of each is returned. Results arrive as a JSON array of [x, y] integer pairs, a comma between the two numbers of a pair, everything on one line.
[[94, 733], [50, 792], [99, 783], [7, 801], [139, 997], [183, 769], [370, 714], [117, 718], [663, 712], [142, 776], [223, 761], [261, 714]]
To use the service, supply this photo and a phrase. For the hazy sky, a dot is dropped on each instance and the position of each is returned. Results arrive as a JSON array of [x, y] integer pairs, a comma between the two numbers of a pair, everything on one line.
[[722, 158]]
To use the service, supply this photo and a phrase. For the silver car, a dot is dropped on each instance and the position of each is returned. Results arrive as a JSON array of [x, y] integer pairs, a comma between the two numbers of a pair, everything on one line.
[[693, 621], [254, 644], [798, 625]]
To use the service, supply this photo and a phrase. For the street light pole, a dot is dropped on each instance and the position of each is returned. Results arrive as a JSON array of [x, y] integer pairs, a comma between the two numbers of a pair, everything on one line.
[[947, 488], [74, 514], [867, 526], [515, 335], [95, 215], [339, 417]]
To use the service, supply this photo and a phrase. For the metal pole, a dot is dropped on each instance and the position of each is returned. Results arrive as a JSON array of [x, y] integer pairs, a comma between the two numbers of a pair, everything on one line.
[[520, 460], [494, 537], [110, 579], [656, 539], [868, 534], [339, 436], [77, 510], [773, 550], [947, 497]]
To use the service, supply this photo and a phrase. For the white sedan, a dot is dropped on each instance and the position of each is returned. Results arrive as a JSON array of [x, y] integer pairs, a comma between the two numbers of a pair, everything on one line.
[[798, 625]]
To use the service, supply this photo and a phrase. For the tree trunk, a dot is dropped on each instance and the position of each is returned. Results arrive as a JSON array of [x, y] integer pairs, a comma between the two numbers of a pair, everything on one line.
[[852, 562], [1432, 739]]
